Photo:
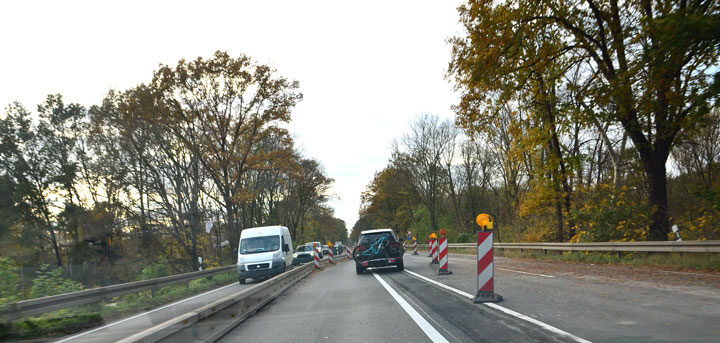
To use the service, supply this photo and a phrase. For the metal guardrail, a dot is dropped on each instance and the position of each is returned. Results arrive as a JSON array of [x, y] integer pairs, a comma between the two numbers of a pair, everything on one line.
[[56, 302], [651, 246], [210, 322]]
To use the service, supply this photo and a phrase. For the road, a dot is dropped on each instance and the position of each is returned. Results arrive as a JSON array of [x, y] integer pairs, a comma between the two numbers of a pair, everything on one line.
[[338, 305]]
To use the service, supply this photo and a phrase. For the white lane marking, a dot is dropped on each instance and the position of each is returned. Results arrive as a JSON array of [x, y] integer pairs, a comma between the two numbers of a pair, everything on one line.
[[505, 310], [522, 272], [428, 329], [442, 285], [141, 314]]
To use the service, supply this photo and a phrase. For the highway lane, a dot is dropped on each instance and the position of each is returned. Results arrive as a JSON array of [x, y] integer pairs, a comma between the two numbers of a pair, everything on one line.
[[595, 308], [383, 306], [130, 325]]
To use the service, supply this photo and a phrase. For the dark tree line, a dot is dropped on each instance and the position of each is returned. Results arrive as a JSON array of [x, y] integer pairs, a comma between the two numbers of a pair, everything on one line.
[[170, 170]]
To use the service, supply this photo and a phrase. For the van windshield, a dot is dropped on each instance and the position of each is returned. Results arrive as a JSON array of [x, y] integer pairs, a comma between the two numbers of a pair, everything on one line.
[[255, 245]]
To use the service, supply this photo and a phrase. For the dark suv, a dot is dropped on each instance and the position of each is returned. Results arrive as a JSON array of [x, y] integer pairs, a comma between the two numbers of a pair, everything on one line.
[[378, 248]]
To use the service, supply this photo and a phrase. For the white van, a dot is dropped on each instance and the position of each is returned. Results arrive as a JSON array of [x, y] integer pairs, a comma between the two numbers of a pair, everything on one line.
[[264, 252]]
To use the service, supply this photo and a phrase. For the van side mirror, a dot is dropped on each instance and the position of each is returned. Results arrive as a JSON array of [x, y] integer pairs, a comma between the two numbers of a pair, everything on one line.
[[286, 247]]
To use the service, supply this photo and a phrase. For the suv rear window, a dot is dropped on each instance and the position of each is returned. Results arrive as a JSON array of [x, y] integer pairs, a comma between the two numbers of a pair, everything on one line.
[[373, 237]]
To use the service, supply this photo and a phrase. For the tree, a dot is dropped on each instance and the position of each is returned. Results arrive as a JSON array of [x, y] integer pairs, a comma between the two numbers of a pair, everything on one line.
[[418, 155], [653, 62], [388, 200], [235, 104]]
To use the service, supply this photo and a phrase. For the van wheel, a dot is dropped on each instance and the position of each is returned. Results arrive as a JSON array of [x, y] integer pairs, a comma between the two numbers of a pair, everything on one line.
[[359, 270], [241, 281]]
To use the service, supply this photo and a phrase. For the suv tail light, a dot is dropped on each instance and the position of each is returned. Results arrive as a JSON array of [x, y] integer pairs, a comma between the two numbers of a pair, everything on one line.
[[360, 247], [395, 244]]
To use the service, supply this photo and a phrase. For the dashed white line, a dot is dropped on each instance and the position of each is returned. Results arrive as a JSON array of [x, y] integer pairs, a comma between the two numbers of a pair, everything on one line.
[[508, 311], [522, 272], [428, 329], [141, 314]]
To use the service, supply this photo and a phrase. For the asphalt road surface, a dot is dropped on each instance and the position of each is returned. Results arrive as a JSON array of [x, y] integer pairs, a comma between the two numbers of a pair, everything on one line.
[[339, 306], [383, 305], [543, 302], [586, 301]]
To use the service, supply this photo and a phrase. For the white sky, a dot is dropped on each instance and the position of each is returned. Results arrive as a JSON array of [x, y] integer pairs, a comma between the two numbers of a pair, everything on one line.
[[366, 68]]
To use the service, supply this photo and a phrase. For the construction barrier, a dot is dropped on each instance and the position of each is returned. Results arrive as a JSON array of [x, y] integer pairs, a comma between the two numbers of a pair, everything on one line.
[[404, 246], [434, 251], [347, 251], [316, 258], [330, 256], [443, 247], [430, 244], [415, 247], [485, 269]]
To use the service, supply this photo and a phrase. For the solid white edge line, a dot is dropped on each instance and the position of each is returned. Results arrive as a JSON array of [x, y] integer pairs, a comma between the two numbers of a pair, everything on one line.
[[504, 309], [141, 314], [428, 329], [522, 272]]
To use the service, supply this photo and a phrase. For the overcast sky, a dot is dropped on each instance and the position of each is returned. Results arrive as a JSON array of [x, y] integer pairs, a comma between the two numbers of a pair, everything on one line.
[[366, 68]]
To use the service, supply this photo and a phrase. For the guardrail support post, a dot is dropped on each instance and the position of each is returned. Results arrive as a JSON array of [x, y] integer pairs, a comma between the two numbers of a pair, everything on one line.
[[485, 269]]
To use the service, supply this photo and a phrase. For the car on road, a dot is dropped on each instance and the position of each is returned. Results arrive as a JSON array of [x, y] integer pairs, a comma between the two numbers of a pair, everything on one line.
[[263, 252], [303, 254], [325, 249], [378, 248]]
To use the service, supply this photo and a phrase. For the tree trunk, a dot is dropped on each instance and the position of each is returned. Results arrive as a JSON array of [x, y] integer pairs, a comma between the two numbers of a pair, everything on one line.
[[654, 165], [232, 229]]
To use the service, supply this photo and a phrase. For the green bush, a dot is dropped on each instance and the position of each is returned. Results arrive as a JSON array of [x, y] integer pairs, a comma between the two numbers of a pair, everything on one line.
[[8, 281], [155, 270], [49, 281]]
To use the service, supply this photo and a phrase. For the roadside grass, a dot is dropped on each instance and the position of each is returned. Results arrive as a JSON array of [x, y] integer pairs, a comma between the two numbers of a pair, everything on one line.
[[67, 321], [674, 261]]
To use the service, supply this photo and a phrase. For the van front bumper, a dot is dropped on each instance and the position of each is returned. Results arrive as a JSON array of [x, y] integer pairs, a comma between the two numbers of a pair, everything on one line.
[[247, 270]]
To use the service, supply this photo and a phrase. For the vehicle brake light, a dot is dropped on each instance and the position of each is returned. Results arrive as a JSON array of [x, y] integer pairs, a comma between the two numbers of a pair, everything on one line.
[[360, 247], [391, 260], [395, 244], [364, 264]]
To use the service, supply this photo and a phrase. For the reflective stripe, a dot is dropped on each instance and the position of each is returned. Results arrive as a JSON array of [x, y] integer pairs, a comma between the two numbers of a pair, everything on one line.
[[484, 279]]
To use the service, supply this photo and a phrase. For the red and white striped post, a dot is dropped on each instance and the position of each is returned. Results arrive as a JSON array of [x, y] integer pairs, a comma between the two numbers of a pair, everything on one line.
[[403, 245], [330, 256], [430, 243], [316, 258], [348, 253], [443, 246], [415, 247], [434, 251], [485, 269]]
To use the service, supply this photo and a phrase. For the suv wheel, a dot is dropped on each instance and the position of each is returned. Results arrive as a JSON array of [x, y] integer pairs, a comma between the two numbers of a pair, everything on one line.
[[359, 270], [241, 281], [401, 265]]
